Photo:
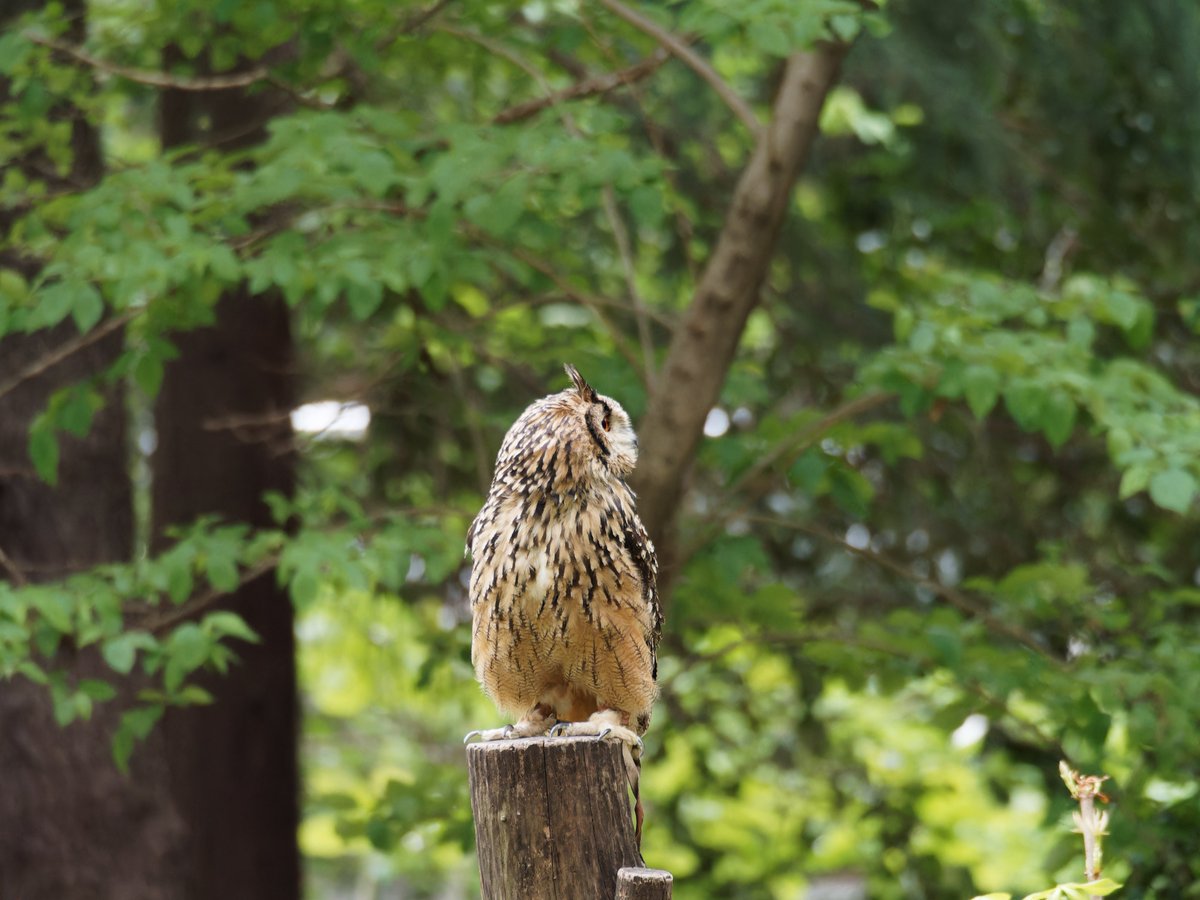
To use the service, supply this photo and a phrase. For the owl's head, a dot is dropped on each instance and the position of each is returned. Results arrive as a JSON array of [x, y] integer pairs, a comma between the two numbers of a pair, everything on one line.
[[605, 423]]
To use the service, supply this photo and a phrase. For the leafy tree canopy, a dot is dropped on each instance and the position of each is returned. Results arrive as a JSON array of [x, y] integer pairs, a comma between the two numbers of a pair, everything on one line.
[[940, 533]]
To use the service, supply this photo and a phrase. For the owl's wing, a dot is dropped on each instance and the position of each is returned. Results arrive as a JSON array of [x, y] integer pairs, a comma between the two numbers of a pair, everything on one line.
[[641, 552]]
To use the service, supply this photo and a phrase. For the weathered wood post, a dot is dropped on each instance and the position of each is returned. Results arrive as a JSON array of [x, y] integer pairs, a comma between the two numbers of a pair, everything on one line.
[[552, 822]]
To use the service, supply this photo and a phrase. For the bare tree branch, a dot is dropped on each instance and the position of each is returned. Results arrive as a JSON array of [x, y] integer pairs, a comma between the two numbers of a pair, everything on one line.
[[704, 344], [625, 251], [689, 57], [159, 620], [411, 24], [750, 486], [588, 87], [956, 598], [14, 571], [583, 299], [70, 347], [154, 79]]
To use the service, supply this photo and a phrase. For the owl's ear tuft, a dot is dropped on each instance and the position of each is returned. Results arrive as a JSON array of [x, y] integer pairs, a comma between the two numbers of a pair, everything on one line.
[[586, 391]]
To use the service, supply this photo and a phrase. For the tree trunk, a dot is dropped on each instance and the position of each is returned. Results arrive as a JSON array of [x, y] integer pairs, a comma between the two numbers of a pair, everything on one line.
[[705, 341], [552, 819], [71, 825], [224, 438]]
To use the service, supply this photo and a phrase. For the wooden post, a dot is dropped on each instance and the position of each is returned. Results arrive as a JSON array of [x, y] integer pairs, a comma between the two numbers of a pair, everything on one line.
[[643, 884], [553, 821]]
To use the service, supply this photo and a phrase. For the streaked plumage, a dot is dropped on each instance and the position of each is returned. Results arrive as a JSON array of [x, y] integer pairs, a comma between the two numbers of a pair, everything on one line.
[[563, 598]]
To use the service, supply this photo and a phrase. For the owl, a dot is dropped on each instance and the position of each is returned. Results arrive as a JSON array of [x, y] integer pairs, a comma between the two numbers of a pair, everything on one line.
[[564, 604]]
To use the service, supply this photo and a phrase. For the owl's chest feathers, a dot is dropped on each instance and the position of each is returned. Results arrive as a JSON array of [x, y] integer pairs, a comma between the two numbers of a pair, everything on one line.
[[553, 554]]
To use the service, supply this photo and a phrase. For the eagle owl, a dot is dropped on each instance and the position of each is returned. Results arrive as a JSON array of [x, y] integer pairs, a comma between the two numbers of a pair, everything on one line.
[[563, 598]]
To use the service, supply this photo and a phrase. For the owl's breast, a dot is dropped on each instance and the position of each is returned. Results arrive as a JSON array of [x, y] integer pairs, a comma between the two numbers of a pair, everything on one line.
[[541, 559]]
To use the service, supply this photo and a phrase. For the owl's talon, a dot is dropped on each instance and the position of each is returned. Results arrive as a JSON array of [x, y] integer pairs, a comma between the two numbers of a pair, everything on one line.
[[471, 734], [559, 729], [604, 732], [508, 730]]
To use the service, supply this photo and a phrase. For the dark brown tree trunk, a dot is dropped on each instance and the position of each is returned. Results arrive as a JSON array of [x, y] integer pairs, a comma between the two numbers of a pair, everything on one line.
[[71, 825], [224, 438]]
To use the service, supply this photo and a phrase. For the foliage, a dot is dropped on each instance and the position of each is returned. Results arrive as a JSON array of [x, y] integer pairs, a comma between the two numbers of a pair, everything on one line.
[[943, 538]]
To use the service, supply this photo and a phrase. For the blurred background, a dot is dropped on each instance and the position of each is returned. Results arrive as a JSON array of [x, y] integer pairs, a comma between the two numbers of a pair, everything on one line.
[[277, 275]]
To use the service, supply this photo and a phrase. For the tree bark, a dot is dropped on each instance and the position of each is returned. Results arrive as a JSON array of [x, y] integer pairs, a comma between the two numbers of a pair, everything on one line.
[[703, 346], [552, 818], [224, 439], [71, 825]]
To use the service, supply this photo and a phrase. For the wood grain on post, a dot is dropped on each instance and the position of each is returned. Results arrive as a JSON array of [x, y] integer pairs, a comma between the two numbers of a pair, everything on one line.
[[552, 819], [643, 884]]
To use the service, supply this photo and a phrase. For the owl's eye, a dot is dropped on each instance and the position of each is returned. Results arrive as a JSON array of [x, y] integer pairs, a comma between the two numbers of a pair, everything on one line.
[[605, 423]]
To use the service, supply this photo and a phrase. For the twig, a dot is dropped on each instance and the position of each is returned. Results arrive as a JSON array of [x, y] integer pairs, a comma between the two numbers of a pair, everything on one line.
[[787, 451], [63, 351], [412, 23], [582, 299], [588, 87], [625, 251], [524, 256], [493, 47], [151, 78], [681, 51], [14, 571], [806, 437], [955, 598], [164, 620], [1061, 247], [1022, 728], [683, 226]]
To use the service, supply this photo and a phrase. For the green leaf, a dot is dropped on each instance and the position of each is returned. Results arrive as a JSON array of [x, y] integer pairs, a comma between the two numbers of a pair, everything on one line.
[[88, 308], [62, 701], [193, 695], [120, 652], [135, 725], [1122, 309], [946, 644], [148, 373], [1134, 479], [1173, 490], [1058, 417], [56, 607], [364, 299], [808, 470], [94, 689], [78, 408], [180, 580], [1024, 400], [122, 749], [221, 570], [981, 385], [304, 586], [54, 302], [142, 720], [768, 37], [228, 624], [186, 649], [43, 449]]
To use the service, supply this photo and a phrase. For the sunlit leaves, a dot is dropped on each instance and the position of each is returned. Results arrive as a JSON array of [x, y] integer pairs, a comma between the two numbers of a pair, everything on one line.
[[984, 340]]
